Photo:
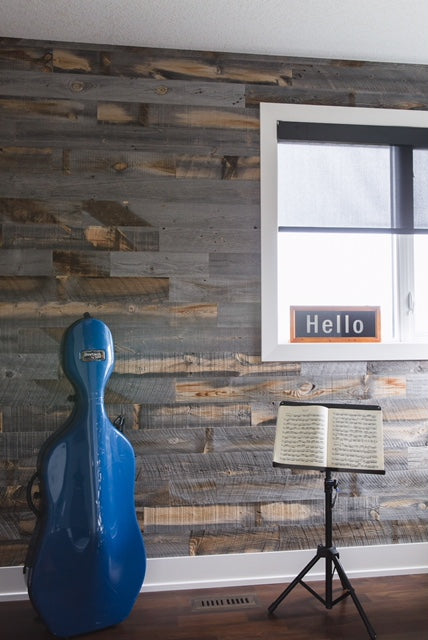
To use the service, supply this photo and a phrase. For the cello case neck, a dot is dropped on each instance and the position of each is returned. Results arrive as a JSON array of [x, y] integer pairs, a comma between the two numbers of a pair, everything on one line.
[[88, 358]]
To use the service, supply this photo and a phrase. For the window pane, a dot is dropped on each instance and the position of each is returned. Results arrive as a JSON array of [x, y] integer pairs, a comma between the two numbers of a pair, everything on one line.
[[335, 269], [421, 285], [420, 171], [333, 185]]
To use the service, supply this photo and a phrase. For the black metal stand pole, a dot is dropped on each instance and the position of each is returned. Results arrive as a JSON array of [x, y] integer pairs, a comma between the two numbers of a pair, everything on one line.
[[331, 555]]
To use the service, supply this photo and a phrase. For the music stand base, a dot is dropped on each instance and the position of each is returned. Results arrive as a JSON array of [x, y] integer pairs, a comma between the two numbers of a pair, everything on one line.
[[331, 556]]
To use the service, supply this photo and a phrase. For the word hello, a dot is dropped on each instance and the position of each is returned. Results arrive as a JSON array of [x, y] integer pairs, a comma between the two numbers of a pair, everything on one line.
[[341, 325], [317, 324]]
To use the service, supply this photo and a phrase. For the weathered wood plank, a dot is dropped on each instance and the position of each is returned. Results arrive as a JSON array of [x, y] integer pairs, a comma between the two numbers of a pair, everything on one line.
[[418, 456], [199, 515], [275, 389], [225, 167], [81, 263], [26, 288], [58, 237], [215, 66], [167, 544], [226, 465], [177, 116], [14, 56], [234, 265], [37, 392], [159, 264], [28, 262], [71, 85], [29, 367], [206, 215], [218, 289], [191, 337], [114, 214], [390, 367], [235, 364], [413, 509], [18, 161], [23, 133], [115, 185], [210, 240], [41, 419], [239, 314], [13, 553], [350, 97], [412, 409], [72, 114], [83, 62], [170, 416], [312, 511], [127, 291], [150, 165], [405, 434]]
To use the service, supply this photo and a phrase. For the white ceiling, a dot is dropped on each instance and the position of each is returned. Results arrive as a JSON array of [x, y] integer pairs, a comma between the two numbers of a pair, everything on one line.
[[378, 30]]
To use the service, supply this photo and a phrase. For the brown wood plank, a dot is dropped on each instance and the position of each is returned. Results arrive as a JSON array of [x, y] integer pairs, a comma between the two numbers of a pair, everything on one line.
[[14, 56], [101, 238], [177, 116], [69, 113], [275, 388], [215, 66]]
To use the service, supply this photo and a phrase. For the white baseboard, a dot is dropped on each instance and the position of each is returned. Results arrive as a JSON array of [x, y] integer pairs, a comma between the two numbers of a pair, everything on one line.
[[204, 572]]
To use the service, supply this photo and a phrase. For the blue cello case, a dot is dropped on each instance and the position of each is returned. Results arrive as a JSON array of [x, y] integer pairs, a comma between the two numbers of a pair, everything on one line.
[[86, 561]]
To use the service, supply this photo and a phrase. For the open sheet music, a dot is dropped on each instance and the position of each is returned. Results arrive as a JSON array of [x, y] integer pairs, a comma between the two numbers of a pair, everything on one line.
[[339, 437]]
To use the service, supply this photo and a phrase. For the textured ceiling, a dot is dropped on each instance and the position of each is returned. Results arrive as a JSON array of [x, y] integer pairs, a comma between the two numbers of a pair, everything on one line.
[[382, 30]]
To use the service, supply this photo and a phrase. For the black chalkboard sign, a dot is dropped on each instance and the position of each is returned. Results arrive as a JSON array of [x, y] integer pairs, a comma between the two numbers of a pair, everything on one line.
[[335, 324]]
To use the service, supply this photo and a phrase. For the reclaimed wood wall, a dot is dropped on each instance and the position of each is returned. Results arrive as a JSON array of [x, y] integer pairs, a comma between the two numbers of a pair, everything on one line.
[[129, 188]]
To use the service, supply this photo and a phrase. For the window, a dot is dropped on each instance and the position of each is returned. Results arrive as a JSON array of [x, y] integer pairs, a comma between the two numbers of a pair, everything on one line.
[[344, 195]]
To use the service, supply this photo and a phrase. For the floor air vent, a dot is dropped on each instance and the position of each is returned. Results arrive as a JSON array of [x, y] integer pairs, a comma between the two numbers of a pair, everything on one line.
[[225, 602]]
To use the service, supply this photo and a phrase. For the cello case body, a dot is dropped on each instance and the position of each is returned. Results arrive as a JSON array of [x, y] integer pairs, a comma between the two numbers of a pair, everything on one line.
[[86, 561]]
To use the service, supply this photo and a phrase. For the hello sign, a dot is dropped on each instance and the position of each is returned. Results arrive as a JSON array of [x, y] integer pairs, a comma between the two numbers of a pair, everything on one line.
[[335, 324]]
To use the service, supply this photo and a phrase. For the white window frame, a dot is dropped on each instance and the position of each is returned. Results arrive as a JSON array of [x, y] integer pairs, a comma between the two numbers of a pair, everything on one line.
[[272, 350]]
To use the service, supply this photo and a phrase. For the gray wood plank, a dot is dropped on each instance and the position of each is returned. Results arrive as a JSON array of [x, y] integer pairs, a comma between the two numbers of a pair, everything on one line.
[[28, 262], [72, 85]]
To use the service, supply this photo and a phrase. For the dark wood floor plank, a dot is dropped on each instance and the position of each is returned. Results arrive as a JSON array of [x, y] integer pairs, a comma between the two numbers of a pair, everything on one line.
[[396, 607]]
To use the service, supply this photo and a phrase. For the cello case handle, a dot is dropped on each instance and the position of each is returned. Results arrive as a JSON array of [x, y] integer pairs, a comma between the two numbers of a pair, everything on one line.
[[31, 496]]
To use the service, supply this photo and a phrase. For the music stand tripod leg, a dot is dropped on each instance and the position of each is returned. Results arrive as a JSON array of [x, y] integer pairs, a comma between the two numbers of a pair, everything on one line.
[[346, 584], [294, 583]]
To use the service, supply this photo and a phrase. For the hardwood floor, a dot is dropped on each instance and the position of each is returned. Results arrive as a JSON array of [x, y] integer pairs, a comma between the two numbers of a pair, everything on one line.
[[397, 608]]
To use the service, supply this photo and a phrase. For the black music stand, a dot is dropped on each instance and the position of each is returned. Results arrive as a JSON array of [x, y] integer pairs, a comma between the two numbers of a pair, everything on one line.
[[331, 555]]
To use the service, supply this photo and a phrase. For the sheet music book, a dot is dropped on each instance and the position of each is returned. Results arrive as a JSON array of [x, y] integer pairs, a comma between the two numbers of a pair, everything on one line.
[[341, 437]]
